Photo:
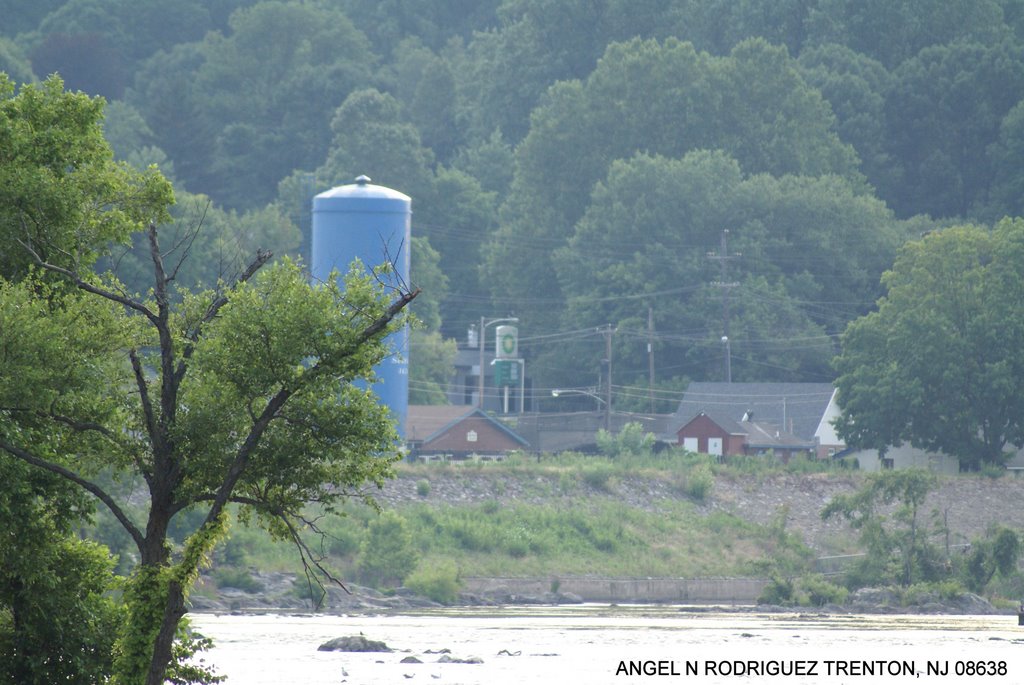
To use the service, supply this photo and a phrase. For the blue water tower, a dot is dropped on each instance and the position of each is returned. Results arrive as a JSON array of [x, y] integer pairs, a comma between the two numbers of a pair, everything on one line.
[[372, 224]]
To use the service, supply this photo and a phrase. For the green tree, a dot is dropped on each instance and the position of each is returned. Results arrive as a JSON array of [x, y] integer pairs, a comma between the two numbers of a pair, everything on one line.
[[132, 29], [1006, 195], [386, 555], [57, 619], [239, 394], [60, 192], [897, 544], [893, 31], [207, 243], [666, 99], [432, 22], [943, 112], [239, 111], [426, 88], [372, 138], [938, 364], [632, 440], [507, 70], [997, 553], [490, 161], [856, 86], [811, 249], [13, 61], [20, 17], [431, 357]]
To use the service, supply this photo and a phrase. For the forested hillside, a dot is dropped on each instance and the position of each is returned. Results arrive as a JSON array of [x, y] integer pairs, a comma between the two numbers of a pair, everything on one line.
[[574, 163]]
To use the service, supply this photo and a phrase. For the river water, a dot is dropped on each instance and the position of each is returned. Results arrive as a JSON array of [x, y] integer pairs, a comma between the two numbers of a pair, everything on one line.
[[618, 644]]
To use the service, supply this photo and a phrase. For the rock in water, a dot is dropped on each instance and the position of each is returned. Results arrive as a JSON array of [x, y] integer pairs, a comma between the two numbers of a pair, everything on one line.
[[353, 643]]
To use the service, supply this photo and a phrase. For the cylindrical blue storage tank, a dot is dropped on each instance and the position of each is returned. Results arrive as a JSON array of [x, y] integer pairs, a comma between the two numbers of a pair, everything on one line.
[[370, 223]]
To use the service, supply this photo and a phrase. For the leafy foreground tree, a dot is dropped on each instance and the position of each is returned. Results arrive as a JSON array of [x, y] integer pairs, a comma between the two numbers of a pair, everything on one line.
[[896, 540], [238, 394], [57, 620], [940, 364]]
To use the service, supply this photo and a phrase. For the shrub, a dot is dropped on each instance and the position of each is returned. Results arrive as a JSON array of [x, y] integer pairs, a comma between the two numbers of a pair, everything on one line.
[[820, 591], [699, 482], [921, 593], [423, 487], [598, 476], [439, 582], [517, 548], [777, 591], [386, 555], [993, 471], [238, 578], [471, 535], [631, 440]]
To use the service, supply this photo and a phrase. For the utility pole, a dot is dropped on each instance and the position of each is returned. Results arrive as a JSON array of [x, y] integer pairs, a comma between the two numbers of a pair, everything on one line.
[[650, 359], [607, 332], [726, 285]]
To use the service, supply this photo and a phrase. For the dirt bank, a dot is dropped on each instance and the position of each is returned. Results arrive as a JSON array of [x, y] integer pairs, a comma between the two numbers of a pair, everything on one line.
[[969, 504]]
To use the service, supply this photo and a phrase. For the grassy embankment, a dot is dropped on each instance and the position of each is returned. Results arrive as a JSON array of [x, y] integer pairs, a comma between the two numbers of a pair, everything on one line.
[[563, 515]]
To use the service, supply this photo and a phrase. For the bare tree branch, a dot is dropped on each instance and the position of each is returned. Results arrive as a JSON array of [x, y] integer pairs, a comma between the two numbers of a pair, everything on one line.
[[91, 288], [147, 405], [187, 241], [312, 563], [88, 485]]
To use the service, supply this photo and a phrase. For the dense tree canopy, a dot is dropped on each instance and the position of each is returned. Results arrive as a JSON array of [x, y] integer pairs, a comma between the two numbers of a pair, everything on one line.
[[297, 63], [806, 245], [691, 100], [526, 105]]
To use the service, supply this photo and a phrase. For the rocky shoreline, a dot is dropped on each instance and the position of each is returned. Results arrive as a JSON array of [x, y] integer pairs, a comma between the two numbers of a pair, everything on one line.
[[279, 596]]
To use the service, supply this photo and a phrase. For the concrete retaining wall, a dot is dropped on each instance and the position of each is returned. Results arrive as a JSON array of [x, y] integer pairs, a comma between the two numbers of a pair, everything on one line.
[[628, 590]]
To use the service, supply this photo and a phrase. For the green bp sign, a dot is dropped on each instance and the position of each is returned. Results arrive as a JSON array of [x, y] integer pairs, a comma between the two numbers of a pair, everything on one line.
[[506, 342]]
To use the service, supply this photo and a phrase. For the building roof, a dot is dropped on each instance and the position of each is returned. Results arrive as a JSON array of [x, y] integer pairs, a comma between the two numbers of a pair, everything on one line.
[[796, 408], [720, 419], [765, 436], [426, 422]]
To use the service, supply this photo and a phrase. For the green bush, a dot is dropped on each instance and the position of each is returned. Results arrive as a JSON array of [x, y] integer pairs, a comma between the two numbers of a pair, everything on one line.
[[471, 535], [699, 482], [423, 487], [238, 578], [598, 476], [993, 471], [631, 440], [439, 582], [386, 556], [777, 591], [820, 591], [920, 593]]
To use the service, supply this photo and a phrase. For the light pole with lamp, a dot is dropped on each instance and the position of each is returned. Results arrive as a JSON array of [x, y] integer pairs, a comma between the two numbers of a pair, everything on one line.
[[728, 359], [558, 392], [484, 323]]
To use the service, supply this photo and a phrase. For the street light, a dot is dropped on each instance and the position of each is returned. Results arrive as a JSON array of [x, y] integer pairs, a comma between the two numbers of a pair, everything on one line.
[[728, 359], [484, 323], [569, 391], [557, 392]]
